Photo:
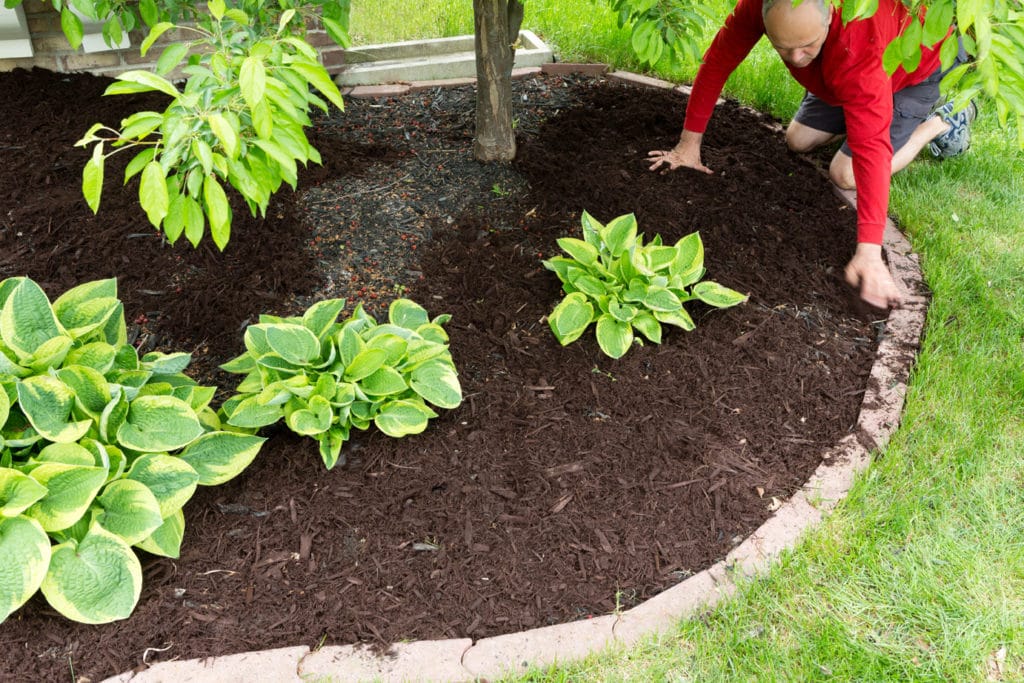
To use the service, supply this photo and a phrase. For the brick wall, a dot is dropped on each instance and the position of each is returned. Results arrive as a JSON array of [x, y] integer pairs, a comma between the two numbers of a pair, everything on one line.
[[51, 49]]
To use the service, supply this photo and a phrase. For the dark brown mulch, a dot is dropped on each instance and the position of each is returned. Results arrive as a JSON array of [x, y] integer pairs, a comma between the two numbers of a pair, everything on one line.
[[567, 484]]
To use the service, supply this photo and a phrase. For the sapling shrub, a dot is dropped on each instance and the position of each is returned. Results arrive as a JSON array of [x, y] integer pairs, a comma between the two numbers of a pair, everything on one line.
[[238, 121], [99, 451], [324, 377], [613, 279]]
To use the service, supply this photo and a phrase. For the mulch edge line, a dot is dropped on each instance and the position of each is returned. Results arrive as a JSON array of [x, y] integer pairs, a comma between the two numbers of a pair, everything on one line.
[[466, 660]]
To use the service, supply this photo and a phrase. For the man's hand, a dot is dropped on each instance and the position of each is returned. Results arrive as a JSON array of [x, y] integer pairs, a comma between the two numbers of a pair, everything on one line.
[[867, 272], [685, 153]]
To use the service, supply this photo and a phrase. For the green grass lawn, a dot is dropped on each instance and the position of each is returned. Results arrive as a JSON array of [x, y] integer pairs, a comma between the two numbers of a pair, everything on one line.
[[919, 574]]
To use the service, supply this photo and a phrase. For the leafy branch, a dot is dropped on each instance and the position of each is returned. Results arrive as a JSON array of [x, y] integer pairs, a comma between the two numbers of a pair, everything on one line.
[[239, 120]]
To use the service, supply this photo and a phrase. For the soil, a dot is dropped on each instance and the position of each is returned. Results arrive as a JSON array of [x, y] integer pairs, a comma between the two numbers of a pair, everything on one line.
[[567, 484]]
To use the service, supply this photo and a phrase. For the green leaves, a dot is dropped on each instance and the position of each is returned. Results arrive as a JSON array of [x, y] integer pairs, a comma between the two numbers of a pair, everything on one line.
[[24, 559], [239, 122], [326, 377], [95, 581], [615, 280], [87, 435]]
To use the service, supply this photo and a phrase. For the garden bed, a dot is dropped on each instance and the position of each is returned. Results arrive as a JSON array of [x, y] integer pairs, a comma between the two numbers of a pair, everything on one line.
[[567, 484]]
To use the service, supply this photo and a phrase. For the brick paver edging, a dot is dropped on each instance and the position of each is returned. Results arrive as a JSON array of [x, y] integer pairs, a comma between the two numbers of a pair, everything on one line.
[[465, 660]]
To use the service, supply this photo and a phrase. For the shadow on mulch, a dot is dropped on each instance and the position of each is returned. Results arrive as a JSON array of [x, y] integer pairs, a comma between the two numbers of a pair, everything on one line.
[[567, 484]]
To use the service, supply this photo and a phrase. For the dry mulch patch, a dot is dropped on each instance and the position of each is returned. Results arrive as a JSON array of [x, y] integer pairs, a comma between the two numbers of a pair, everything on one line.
[[567, 484]]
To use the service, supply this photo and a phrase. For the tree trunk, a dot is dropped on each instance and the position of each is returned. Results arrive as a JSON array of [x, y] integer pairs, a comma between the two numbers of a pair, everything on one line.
[[497, 25]]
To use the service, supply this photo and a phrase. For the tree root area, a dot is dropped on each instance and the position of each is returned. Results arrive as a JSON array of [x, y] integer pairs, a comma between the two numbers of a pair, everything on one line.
[[567, 485]]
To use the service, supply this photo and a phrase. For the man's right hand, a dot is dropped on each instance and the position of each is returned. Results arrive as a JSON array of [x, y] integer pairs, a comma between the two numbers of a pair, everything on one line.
[[686, 154]]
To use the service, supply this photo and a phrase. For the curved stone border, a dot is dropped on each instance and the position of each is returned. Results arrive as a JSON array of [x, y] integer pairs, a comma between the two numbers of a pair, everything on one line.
[[465, 660]]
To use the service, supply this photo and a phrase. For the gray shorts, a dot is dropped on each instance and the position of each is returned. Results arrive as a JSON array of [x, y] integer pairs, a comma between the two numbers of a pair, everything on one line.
[[911, 106]]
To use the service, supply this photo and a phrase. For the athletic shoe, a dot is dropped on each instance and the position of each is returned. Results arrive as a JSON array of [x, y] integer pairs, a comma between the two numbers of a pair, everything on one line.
[[957, 139]]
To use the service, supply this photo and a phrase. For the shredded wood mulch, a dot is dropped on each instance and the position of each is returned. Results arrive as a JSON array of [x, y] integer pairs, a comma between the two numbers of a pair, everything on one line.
[[567, 484]]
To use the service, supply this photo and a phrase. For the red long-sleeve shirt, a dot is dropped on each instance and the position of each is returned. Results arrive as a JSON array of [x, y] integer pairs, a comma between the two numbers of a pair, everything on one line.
[[847, 73]]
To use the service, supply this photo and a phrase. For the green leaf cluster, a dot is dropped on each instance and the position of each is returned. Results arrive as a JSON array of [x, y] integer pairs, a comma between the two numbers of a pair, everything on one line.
[[612, 278], [239, 120], [99, 451], [325, 377], [670, 29]]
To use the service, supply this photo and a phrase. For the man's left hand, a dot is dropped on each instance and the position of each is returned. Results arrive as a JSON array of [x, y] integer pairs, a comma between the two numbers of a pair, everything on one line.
[[868, 273]]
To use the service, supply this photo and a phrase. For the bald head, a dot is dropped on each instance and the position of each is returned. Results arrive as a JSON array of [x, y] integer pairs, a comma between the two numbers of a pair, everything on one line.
[[797, 32]]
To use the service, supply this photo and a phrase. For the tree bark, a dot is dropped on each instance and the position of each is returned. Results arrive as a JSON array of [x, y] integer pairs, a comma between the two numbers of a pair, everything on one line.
[[496, 24]]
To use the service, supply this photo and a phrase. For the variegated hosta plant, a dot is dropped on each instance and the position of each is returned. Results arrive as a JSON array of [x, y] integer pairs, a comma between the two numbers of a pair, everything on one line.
[[99, 451], [614, 279], [326, 377]]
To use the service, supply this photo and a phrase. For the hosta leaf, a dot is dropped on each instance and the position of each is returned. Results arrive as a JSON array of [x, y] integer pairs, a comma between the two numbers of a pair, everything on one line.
[[221, 456], [50, 354], [588, 284], [249, 413], [89, 386], [166, 363], [400, 418], [47, 403], [166, 540], [395, 346], [330, 446], [96, 355], [421, 350], [591, 230], [18, 492], [158, 423], [408, 314], [648, 325], [571, 317], [294, 343], [93, 582], [433, 332], [113, 416], [716, 295], [563, 267], [679, 318], [27, 320], [660, 258], [24, 558], [319, 317], [130, 510], [689, 261], [438, 383], [384, 382], [315, 419], [68, 454], [622, 312], [240, 365], [70, 490], [620, 234], [73, 308], [365, 363], [172, 480], [613, 336], [661, 299], [579, 250]]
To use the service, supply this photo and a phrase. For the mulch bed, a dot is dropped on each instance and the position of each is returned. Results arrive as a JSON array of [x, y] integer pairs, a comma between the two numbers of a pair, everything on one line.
[[567, 484]]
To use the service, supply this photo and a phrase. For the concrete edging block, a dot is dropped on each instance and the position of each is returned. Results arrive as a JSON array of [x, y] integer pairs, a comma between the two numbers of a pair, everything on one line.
[[267, 666], [835, 475], [637, 79], [663, 611], [781, 532], [423, 660], [517, 652]]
